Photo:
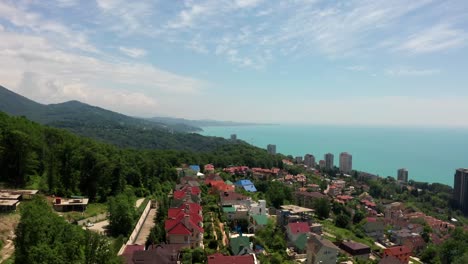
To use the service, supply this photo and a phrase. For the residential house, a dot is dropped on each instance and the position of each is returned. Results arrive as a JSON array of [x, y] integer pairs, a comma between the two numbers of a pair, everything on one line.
[[240, 246], [246, 185], [293, 213], [158, 254], [220, 186], [184, 230], [219, 258], [402, 253], [356, 250], [212, 177], [239, 170], [321, 250], [236, 212], [415, 243], [257, 222], [186, 193], [307, 199], [130, 250], [209, 168], [8, 205], [297, 235], [233, 198], [374, 227], [195, 168], [258, 208]]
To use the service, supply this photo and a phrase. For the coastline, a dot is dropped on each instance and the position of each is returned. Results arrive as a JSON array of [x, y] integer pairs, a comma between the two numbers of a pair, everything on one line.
[[430, 154]]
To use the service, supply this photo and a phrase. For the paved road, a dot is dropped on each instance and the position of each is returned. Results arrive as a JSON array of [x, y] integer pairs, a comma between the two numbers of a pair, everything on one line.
[[100, 227], [146, 228], [138, 202]]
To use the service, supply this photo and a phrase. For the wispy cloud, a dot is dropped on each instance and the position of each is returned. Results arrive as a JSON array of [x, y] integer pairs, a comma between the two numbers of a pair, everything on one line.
[[357, 68], [133, 52], [437, 38], [40, 25], [405, 71], [33, 66]]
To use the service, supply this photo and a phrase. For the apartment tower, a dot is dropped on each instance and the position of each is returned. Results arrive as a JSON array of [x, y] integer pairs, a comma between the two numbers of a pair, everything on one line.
[[346, 162]]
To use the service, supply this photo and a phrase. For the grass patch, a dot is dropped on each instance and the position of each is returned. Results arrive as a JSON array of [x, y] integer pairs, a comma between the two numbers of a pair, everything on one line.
[[92, 209], [329, 227]]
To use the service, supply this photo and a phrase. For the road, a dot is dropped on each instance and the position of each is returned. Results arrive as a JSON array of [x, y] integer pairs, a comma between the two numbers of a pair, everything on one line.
[[146, 228], [100, 227]]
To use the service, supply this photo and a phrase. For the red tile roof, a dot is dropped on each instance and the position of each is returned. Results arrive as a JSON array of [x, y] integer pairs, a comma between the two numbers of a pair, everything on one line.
[[179, 229], [219, 258], [129, 249], [297, 228], [397, 251], [179, 195]]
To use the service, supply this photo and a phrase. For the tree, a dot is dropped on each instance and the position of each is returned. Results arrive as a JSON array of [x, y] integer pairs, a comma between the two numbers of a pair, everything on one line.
[[44, 237], [429, 254], [358, 216], [342, 221], [122, 214], [322, 208]]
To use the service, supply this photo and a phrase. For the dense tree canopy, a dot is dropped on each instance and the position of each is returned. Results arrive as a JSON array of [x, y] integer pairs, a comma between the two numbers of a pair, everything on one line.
[[44, 237], [61, 163]]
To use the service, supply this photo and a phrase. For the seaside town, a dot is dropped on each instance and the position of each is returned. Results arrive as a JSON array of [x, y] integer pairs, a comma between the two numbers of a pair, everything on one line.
[[305, 212]]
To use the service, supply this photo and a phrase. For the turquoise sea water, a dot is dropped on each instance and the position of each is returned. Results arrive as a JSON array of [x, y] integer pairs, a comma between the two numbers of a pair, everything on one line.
[[429, 154]]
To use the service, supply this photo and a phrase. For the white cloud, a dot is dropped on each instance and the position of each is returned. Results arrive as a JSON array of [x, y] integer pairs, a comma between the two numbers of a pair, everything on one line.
[[248, 3], [133, 52], [438, 38], [66, 3], [39, 25], [357, 68], [34, 67], [405, 71], [1, 27], [127, 17]]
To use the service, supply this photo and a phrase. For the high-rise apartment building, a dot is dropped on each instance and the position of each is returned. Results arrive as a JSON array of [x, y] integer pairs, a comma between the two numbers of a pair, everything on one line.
[[271, 149], [402, 175], [299, 160], [346, 162], [309, 160], [460, 190], [329, 161]]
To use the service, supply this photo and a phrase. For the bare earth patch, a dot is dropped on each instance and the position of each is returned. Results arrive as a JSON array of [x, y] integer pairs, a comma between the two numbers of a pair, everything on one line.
[[8, 223]]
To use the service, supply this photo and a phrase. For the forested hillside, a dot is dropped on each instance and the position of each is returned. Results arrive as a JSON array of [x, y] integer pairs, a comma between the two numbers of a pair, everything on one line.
[[108, 126], [64, 164]]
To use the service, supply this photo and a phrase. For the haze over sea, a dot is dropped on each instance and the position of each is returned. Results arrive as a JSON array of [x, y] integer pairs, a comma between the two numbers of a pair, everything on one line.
[[429, 154]]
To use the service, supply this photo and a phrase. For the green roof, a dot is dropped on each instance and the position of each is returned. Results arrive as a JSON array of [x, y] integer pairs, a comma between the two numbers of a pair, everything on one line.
[[238, 243], [301, 242], [229, 209], [260, 219], [229, 182]]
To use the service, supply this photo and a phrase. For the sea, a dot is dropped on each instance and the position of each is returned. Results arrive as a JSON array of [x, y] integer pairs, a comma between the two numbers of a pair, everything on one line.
[[430, 154]]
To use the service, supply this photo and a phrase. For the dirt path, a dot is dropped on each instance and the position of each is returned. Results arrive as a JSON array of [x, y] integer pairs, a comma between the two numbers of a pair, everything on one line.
[[7, 251], [225, 238]]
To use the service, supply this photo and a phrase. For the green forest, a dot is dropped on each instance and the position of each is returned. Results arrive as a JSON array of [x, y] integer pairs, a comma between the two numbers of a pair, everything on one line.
[[61, 163]]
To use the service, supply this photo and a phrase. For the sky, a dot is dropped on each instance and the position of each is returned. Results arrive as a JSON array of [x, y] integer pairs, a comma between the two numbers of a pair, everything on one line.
[[352, 62]]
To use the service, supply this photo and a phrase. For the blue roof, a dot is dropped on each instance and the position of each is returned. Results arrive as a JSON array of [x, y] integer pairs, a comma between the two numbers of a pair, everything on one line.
[[195, 168], [243, 182], [250, 188]]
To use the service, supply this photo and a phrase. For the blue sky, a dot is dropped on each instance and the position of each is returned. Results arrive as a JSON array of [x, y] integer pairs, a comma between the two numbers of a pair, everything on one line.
[[357, 62]]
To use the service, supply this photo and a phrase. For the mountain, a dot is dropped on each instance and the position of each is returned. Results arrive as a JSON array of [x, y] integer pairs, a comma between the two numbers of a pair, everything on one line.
[[200, 123], [108, 126]]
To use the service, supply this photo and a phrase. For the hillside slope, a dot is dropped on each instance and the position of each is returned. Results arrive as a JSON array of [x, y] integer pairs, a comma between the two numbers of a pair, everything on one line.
[[108, 126]]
